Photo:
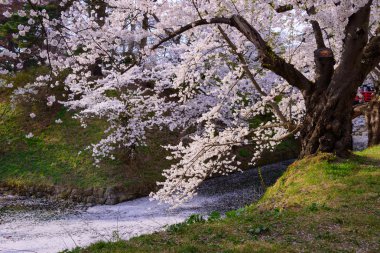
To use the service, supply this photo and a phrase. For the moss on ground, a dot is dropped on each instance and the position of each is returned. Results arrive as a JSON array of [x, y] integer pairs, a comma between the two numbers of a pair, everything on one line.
[[321, 204]]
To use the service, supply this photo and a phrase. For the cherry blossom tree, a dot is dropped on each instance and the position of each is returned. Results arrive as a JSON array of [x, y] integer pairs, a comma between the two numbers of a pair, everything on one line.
[[211, 69]]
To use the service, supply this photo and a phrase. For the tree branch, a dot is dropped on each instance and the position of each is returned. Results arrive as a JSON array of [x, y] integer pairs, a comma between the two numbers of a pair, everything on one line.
[[282, 8], [251, 77], [190, 26], [356, 50], [269, 59], [371, 56], [316, 28]]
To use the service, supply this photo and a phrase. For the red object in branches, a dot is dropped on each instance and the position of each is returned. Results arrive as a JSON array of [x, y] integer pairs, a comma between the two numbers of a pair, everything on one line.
[[365, 94]]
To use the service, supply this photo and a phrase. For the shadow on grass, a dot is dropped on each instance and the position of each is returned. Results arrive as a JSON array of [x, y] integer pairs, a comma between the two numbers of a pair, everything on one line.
[[366, 160]]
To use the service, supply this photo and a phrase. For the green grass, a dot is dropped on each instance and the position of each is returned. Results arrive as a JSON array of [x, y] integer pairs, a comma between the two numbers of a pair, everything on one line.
[[321, 204], [52, 156], [57, 155]]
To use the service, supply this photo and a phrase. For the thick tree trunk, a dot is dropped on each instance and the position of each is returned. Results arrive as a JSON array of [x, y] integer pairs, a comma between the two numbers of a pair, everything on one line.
[[373, 122], [328, 120], [327, 125], [329, 102]]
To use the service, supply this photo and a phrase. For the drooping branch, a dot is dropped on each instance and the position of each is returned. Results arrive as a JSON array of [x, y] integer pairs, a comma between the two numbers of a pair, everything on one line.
[[251, 77], [269, 59]]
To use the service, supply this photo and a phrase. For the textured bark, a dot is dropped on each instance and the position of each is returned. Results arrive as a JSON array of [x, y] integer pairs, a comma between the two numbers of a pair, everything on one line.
[[327, 125], [372, 112], [328, 121], [373, 122]]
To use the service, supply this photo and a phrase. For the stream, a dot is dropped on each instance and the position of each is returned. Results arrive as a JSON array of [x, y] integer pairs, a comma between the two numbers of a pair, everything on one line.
[[36, 225]]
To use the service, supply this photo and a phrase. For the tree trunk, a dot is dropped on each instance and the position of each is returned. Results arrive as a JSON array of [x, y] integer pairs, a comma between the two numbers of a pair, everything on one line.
[[328, 124], [373, 122], [329, 102], [328, 120], [373, 113]]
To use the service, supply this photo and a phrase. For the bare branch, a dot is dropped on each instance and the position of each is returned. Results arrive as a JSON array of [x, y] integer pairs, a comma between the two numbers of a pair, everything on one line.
[[191, 26], [316, 28]]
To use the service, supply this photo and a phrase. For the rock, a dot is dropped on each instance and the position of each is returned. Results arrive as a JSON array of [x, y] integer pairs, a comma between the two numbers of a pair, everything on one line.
[[110, 195], [88, 192], [65, 194], [112, 201], [101, 201], [91, 200], [98, 193], [125, 196], [110, 191]]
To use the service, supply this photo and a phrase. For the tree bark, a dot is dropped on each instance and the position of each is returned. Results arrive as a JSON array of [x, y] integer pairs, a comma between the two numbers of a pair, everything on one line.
[[372, 116], [372, 113], [327, 125], [328, 121]]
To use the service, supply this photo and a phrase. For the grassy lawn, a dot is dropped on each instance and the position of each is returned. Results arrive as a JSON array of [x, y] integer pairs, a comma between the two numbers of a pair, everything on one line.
[[321, 204]]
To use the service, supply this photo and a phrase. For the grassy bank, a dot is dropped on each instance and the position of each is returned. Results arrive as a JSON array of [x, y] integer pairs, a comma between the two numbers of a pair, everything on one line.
[[321, 204], [56, 155]]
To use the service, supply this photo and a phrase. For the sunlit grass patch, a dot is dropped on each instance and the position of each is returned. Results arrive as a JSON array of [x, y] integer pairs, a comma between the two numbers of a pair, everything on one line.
[[321, 204]]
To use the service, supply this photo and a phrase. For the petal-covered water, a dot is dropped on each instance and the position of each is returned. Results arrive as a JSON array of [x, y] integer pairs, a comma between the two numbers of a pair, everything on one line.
[[40, 226]]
